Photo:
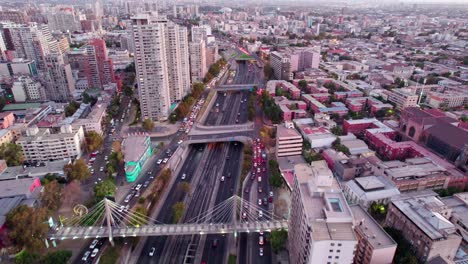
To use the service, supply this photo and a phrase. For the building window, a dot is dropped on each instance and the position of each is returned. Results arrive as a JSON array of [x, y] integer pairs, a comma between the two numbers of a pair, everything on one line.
[[339, 244], [329, 257], [331, 250], [332, 244]]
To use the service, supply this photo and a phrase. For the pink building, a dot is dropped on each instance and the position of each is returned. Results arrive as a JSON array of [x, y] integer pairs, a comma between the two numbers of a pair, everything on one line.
[[321, 97], [7, 119]]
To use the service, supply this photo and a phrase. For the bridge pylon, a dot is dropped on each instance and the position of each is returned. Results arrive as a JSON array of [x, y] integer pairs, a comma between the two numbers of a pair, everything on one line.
[[109, 220]]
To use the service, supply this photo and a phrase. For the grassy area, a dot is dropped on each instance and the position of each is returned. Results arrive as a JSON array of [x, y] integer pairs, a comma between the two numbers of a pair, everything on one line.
[[232, 259], [111, 255]]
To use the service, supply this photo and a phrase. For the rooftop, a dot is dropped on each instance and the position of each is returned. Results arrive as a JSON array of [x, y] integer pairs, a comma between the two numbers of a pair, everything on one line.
[[16, 107], [373, 188], [285, 132], [19, 187], [134, 147], [375, 234]]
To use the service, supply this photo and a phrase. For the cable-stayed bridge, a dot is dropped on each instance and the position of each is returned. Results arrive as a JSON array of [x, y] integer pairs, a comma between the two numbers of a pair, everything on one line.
[[109, 219]]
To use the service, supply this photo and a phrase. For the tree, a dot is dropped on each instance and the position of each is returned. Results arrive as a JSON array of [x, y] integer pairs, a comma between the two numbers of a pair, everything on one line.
[[337, 130], [71, 108], [26, 257], [404, 253], [214, 69], [130, 67], [94, 141], [185, 187], [278, 239], [71, 194], [197, 89], [165, 175], [117, 146], [87, 99], [57, 257], [77, 171], [302, 85], [51, 196], [178, 211], [12, 154], [103, 189], [128, 91], [148, 125], [268, 71], [27, 227]]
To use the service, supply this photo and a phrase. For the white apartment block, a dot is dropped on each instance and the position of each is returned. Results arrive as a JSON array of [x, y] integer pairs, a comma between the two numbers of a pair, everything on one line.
[[288, 141], [26, 89], [200, 33], [447, 100], [94, 120], [288, 61], [162, 64], [198, 60], [403, 98], [321, 223], [43, 145]]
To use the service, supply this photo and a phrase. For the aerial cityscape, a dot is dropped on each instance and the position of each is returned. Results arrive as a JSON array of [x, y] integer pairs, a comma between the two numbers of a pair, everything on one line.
[[234, 132]]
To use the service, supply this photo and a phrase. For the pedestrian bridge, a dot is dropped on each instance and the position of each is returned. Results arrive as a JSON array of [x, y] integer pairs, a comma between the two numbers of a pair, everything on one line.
[[236, 87], [108, 219]]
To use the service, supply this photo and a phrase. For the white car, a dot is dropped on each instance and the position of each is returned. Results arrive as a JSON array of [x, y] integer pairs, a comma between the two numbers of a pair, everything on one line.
[[180, 142], [165, 160], [222, 178], [86, 255], [259, 201], [138, 187], [95, 252], [260, 252], [121, 209], [94, 243], [159, 161], [260, 213], [101, 169], [151, 252], [260, 240], [183, 176]]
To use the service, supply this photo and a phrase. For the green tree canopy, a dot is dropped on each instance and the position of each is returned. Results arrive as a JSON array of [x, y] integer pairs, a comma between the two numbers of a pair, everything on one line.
[[127, 90], [94, 141], [77, 171], [51, 196], [71, 108], [302, 85], [278, 239], [57, 257], [103, 189], [178, 211], [148, 125], [12, 154], [27, 227]]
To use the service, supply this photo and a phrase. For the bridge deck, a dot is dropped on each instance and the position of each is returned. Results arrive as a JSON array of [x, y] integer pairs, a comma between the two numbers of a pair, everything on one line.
[[165, 230]]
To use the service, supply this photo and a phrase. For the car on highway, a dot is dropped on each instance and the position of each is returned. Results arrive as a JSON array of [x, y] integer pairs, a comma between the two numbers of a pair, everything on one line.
[[138, 187], [259, 179], [244, 215], [260, 240], [94, 243], [146, 184], [101, 169], [265, 202], [121, 209], [260, 189], [229, 175], [86, 255], [215, 243], [165, 160], [183, 176], [95, 252], [128, 198], [159, 161], [222, 178], [271, 194], [151, 252], [260, 213], [259, 201], [180, 142], [260, 252]]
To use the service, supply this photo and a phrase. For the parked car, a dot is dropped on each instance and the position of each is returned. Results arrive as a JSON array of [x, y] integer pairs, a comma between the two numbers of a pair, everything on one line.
[[151, 252]]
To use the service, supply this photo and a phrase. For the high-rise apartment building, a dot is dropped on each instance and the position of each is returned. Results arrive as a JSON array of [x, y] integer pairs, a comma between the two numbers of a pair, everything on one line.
[[198, 67], [93, 64], [200, 32], [64, 19], [32, 41], [321, 222], [58, 78], [16, 16], [162, 64], [288, 61]]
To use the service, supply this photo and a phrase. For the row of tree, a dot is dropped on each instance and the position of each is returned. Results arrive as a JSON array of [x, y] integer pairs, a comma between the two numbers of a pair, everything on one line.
[[214, 70], [184, 107], [270, 108], [276, 180]]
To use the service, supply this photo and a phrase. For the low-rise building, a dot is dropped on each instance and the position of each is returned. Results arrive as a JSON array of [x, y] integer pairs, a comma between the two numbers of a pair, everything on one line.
[[403, 98], [423, 220], [366, 190], [459, 217], [137, 150], [288, 141], [374, 244], [6, 136], [447, 99], [94, 121], [321, 222], [7, 119], [415, 174], [48, 145]]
